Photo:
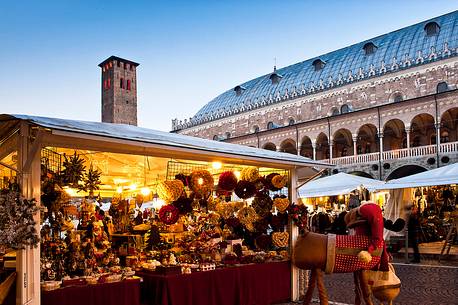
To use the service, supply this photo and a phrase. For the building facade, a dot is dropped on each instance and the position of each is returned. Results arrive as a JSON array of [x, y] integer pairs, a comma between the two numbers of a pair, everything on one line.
[[383, 108], [119, 91]]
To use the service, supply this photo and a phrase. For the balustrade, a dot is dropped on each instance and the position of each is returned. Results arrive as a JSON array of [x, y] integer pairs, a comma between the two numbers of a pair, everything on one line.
[[411, 152]]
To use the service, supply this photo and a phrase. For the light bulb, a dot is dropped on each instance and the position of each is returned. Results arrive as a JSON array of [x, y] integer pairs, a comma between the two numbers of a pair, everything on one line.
[[217, 165], [145, 191], [133, 187], [237, 174], [200, 181], [119, 189]]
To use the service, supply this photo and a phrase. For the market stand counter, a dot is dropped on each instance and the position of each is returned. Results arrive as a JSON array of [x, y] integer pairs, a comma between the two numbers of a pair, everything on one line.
[[260, 284], [119, 293]]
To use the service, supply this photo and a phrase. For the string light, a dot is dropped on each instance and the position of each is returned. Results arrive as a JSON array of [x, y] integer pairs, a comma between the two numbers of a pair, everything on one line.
[[119, 189]]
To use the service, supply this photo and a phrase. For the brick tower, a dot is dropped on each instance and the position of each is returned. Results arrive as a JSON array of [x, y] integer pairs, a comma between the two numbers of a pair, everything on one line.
[[119, 91]]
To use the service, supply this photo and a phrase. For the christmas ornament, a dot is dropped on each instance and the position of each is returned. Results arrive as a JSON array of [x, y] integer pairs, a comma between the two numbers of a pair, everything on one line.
[[280, 239]]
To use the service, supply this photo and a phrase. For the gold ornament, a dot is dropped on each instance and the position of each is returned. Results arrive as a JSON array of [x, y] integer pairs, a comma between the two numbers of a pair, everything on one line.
[[249, 174], [280, 239], [279, 181], [281, 204], [247, 216], [170, 190]]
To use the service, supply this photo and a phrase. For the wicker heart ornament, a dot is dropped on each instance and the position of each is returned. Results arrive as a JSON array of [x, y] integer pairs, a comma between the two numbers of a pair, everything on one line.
[[281, 204], [280, 239]]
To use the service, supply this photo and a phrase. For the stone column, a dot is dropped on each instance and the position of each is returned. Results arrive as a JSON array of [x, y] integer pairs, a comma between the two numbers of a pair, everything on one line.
[[407, 129], [380, 138], [355, 138], [314, 148], [331, 144], [438, 134]]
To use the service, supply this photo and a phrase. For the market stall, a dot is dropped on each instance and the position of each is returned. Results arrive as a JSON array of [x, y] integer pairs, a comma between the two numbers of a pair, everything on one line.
[[432, 194], [328, 198], [208, 205]]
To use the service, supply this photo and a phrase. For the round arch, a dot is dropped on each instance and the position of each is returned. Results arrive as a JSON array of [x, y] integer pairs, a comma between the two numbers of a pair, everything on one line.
[[367, 139], [394, 135], [322, 147], [404, 171], [422, 130], [306, 149], [361, 174], [449, 124], [288, 146], [269, 146], [343, 143]]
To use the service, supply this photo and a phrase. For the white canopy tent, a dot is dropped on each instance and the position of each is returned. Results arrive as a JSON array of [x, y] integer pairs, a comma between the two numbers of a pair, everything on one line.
[[338, 184], [439, 176]]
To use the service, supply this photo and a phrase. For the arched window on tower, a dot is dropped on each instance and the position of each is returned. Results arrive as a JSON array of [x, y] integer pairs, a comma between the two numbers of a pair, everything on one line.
[[215, 138], [128, 84], [442, 87], [255, 128], [270, 125], [334, 111], [291, 121], [228, 135], [121, 83], [432, 28]]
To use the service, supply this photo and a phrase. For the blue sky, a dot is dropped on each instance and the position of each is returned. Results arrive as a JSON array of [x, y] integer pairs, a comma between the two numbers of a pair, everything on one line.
[[189, 51]]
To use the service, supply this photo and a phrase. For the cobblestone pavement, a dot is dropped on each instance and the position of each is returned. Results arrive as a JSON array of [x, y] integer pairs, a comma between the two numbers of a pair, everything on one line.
[[422, 284]]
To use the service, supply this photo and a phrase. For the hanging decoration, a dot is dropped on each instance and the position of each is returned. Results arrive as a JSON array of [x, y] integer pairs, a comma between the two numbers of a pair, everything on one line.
[[227, 181], [14, 233], [279, 181], [91, 181], [73, 171], [281, 204], [202, 182], [280, 239], [169, 214], [245, 189], [170, 190], [250, 174]]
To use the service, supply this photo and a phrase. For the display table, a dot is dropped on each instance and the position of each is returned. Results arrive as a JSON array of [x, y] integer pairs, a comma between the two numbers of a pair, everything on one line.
[[260, 284], [119, 293]]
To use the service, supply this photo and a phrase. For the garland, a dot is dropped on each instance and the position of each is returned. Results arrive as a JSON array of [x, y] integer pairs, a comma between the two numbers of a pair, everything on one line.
[[201, 182], [169, 214], [298, 213]]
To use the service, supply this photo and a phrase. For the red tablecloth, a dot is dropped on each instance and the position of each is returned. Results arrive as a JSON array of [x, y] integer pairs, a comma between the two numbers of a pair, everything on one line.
[[256, 284], [119, 293]]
